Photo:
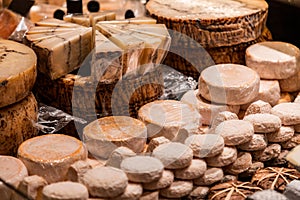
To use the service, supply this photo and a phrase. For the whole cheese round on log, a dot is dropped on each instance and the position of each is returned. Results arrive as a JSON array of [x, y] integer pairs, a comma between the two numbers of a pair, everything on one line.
[[169, 118], [230, 84], [17, 124], [104, 135], [12, 171], [212, 23], [273, 60], [50, 156], [17, 71]]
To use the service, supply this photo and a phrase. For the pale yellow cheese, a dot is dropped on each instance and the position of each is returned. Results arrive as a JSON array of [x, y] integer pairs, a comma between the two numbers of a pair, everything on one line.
[[136, 20], [50, 156], [17, 71]]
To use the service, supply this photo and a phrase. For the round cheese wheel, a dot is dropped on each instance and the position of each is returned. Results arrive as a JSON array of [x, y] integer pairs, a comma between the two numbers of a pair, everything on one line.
[[273, 60], [132, 191], [242, 163], [258, 142], [17, 124], [289, 113], [50, 156], [291, 84], [211, 176], [65, 191], [264, 122], [272, 151], [258, 107], [207, 110], [177, 189], [104, 135], [195, 170], [204, 20], [228, 156], [169, 118], [165, 180], [223, 83], [13, 171], [17, 71], [284, 134]]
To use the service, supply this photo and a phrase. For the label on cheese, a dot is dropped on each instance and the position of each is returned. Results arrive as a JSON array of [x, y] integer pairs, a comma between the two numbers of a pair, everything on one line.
[[59, 52]]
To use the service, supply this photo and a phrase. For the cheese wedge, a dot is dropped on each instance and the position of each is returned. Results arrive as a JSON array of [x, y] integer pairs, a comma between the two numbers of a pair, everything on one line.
[[17, 71], [13, 171], [17, 124], [59, 52], [104, 135], [50, 156]]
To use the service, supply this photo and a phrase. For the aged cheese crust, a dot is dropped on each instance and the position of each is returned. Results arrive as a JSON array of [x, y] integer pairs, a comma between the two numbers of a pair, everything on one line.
[[50, 156], [212, 23], [17, 71], [65, 190], [104, 135], [17, 124]]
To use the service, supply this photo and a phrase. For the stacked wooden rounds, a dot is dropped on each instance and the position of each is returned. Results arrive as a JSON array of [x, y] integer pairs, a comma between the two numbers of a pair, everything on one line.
[[224, 29], [18, 107]]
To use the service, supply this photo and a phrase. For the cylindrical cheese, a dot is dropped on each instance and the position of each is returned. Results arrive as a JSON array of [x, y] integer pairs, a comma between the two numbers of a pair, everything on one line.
[[50, 156], [104, 135], [17, 71], [17, 124]]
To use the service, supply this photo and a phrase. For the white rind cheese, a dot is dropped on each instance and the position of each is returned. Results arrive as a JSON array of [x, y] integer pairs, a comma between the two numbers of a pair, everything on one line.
[[61, 52], [17, 124], [17, 71], [104, 135], [50, 156]]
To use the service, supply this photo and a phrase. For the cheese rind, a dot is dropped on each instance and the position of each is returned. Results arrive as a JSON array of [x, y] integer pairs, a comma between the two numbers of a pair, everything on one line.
[[273, 60], [104, 135], [50, 156], [17, 124], [60, 53], [17, 71]]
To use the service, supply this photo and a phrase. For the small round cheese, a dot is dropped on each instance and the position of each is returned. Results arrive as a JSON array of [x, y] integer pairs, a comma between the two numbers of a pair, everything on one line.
[[258, 142], [272, 151], [177, 189], [169, 118], [118, 155], [290, 84], [206, 145], [142, 169], [13, 171], [199, 192], [264, 123], [166, 180], [150, 195], [235, 132], [291, 143], [173, 155], [65, 191], [32, 186], [211, 176], [258, 107], [269, 91], [223, 116], [273, 60], [17, 124], [155, 142], [105, 182], [104, 135], [195, 170], [283, 134], [133, 191], [228, 156], [223, 83], [242, 163], [17, 71], [50, 156], [289, 113], [207, 110]]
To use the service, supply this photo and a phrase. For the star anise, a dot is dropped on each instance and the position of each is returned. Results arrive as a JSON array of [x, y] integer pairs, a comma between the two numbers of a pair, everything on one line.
[[275, 178], [232, 191]]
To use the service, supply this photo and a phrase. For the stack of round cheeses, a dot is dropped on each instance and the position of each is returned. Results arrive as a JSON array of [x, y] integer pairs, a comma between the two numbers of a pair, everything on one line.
[[18, 107], [223, 28]]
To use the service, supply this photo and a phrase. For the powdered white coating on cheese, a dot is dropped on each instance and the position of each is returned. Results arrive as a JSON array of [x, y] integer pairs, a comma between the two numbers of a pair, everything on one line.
[[142, 169], [13, 171], [166, 180], [204, 9], [211, 176], [207, 110], [50, 156], [173, 155], [105, 182], [206, 145], [264, 122], [283, 134], [169, 118], [177, 189], [235, 132], [258, 142], [223, 83], [273, 60], [65, 190], [289, 113], [228, 156], [195, 170], [17, 71], [104, 135]]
